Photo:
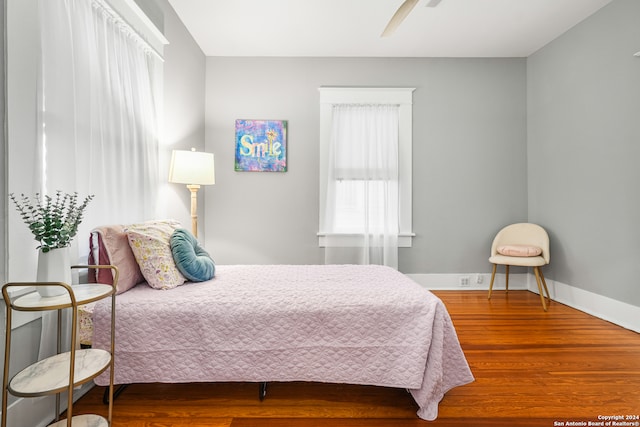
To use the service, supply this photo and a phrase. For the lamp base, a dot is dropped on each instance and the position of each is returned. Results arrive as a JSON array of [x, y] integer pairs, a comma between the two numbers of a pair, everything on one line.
[[194, 208]]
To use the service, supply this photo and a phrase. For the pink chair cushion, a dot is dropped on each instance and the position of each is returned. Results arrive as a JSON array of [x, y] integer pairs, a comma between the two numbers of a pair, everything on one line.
[[519, 250]]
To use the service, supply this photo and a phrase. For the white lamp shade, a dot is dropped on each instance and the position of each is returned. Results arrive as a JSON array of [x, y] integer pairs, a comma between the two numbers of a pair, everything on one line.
[[192, 167]]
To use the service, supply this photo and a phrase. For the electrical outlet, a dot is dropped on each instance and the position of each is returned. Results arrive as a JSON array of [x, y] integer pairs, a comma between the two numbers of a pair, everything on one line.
[[465, 281]]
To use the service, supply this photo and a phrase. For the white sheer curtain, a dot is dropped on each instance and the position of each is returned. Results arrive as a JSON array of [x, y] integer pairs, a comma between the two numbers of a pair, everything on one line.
[[98, 115], [361, 214], [98, 111]]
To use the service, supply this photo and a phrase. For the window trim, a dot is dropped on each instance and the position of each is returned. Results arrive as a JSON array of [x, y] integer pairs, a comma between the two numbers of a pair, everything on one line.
[[403, 97]]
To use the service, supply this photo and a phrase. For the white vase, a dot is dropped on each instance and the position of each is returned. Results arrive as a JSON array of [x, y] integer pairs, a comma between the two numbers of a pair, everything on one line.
[[53, 266]]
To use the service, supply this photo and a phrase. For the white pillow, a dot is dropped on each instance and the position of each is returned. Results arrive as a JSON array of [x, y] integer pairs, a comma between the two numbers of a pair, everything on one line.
[[150, 244]]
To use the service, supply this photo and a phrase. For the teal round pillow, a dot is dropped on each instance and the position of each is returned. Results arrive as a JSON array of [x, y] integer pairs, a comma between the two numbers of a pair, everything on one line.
[[191, 259]]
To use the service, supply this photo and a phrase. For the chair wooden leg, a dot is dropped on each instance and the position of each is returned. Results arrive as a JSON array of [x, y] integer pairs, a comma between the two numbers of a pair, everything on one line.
[[507, 283], [493, 275], [544, 283], [538, 281]]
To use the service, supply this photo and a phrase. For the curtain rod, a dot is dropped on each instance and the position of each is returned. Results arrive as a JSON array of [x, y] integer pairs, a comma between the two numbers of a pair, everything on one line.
[[127, 12]]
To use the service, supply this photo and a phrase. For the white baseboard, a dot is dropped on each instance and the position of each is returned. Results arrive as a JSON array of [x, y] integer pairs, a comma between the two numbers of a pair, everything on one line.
[[33, 411], [614, 311], [39, 411], [477, 281], [617, 312]]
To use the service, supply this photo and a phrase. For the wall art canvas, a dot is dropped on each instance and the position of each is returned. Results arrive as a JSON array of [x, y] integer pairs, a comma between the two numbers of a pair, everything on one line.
[[261, 145]]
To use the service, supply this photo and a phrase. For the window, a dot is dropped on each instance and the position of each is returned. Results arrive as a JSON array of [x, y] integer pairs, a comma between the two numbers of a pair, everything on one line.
[[100, 100], [365, 166]]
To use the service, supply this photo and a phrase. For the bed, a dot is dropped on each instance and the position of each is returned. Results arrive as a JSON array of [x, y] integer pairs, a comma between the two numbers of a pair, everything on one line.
[[368, 325]]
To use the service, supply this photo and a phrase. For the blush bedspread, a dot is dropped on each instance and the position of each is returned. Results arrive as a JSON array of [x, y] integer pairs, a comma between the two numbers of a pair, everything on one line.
[[350, 324]]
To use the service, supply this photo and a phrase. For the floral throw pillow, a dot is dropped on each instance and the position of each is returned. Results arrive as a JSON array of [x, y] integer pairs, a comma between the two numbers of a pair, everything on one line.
[[150, 244]]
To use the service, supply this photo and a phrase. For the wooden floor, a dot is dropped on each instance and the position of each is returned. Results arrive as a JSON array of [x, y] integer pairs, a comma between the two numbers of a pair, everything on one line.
[[532, 369]]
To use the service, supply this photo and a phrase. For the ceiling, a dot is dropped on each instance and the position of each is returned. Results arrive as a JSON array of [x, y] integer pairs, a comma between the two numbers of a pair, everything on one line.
[[455, 28]]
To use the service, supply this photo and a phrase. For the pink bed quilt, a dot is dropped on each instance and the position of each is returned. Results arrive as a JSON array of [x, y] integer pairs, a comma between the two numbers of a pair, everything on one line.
[[265, 323]]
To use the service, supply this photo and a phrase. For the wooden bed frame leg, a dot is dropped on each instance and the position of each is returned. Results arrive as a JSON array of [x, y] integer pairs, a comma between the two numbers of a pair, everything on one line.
[[263, 391], [116, 393]]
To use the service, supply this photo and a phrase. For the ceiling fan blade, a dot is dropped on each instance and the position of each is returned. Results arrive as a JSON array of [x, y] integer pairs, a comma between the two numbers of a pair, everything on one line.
[[398, 17]]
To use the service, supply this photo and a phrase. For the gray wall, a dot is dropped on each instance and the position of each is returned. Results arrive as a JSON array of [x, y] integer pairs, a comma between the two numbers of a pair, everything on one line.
[[3, 157], [469, 156], [3, 147], [183, 122], [583, 92]]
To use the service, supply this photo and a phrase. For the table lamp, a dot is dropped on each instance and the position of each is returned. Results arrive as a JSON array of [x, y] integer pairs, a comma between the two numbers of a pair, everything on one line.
[[193, 168]]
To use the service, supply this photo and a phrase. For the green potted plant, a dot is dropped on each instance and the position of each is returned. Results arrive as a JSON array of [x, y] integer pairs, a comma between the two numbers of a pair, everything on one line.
[[54, 223]]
